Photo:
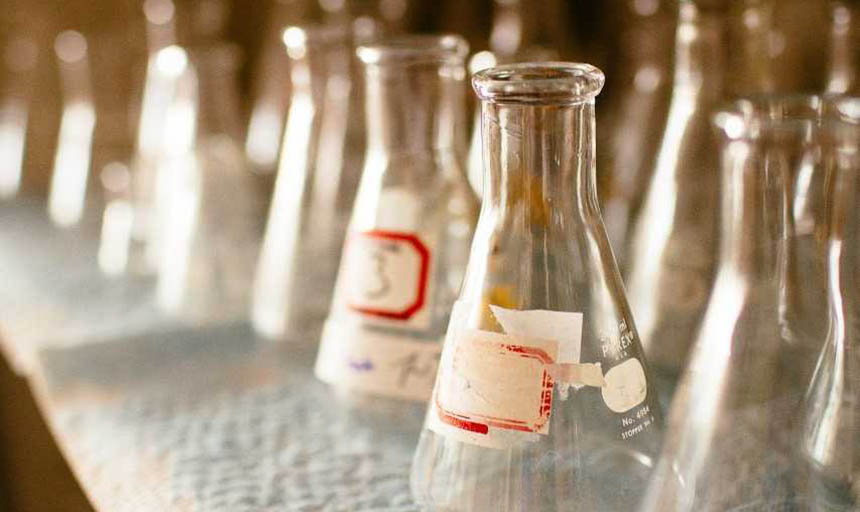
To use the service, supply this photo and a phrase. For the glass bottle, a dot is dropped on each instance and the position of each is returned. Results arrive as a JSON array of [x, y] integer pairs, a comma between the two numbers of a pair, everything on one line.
[[671, 259], [543, 399], [731, 440], [635, 114], [408, 239], [830, 437], [844, 58], [208, 206], [18, 59], [315, 185]]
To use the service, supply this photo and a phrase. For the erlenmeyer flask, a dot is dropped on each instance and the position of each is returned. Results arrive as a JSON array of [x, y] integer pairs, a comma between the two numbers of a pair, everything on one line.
[[18, 58], [408, 239], [730, 442], [209, 208], [272, 87], [636, 113], [672, 255], [317, 177], [844, 59], [830, 438], [74, 147], [543, 399]]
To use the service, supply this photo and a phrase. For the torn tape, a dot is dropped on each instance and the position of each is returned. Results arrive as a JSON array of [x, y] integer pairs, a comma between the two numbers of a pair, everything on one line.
[[577, 374]]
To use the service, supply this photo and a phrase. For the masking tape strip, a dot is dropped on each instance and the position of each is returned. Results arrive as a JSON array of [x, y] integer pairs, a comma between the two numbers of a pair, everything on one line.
[[582, 374]]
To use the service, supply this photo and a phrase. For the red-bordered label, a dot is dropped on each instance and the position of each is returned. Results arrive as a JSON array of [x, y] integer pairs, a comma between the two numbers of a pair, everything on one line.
[[493, 383], [387, 274]]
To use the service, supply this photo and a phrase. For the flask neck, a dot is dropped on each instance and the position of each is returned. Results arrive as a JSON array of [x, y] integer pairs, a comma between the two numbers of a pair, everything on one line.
[[699, 62], [413, 108], [843, 255], [539, 158], [842, 74], [753, 215], [218, 91]]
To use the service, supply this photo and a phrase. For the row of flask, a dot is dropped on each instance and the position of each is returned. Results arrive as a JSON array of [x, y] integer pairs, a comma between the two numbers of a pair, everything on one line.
[[543, 399]]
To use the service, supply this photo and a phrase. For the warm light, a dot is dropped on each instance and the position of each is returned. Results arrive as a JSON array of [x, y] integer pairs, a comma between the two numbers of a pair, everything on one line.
[[158, 12], [171, 61], [481, 60], [295, 39], [70, 46]]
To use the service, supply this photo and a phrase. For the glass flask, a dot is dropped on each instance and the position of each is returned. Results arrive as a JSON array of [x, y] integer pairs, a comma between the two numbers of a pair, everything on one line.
[[315, 185], [635, 113], [209, 208], [408, 240], [543, 399], [18, 59], [74, 146], [844, 58], [731, 441], [673, 246], [830, 437], [271, 88]]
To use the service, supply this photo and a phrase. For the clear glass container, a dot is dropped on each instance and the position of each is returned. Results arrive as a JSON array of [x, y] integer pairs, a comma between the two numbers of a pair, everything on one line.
[[271, 90], [543, 399], [408, 239], [18, 58], [70, 174], [634, 113], [671, 260], [830, 438], [732, 435], [316, 182], [844, 57], [209, 209]]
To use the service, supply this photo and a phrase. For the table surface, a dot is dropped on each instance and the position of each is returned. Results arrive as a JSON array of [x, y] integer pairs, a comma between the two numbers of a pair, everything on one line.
[[152, 415]]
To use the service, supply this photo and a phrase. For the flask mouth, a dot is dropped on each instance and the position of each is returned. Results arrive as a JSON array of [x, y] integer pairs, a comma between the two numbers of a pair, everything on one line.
[[416, 49], [758, 116], [539, 83]]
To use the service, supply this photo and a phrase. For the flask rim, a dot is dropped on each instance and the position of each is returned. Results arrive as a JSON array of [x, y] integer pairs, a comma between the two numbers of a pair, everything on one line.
[[415, 49], [753, 117], [539, 83]]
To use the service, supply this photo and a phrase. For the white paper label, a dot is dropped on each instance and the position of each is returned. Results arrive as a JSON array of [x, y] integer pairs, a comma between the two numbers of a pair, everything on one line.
[[494, 389], [626, 386], [354, 356], [386, 276]]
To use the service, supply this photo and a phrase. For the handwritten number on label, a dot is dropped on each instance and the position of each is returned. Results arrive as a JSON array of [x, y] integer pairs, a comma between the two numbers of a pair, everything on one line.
[[383, 280]]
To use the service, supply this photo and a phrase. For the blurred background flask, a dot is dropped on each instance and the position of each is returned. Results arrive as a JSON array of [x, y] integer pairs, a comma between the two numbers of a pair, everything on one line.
[[635, 112], [318, 173], [844, 52], [209, 208], [521, 32], [830, 439], [673, 246], [408, 240], [72, 159], [18, 59], [543, 400], [731, 439]]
